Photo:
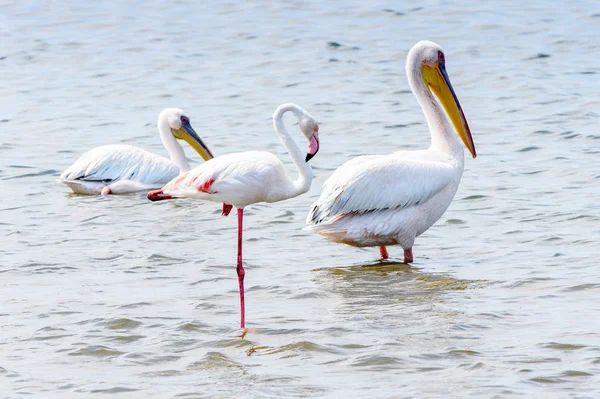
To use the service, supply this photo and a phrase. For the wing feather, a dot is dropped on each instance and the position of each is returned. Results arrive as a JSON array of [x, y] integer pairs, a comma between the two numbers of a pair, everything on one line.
[[372, 183], [238, 178], [110, 163]]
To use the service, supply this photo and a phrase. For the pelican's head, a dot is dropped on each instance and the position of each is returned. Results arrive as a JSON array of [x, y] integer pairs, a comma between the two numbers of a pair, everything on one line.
[[181, 129], [310, 130], [430, 58]]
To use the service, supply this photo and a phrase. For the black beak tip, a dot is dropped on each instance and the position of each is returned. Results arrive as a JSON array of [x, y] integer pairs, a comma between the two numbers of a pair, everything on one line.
[[309, 156]]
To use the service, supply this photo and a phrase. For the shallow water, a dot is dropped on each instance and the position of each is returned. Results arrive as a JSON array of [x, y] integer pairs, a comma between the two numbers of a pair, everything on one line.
[[120, 296]]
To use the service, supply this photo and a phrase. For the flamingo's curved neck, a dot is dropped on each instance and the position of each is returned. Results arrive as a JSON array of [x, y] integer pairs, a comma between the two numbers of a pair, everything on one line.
[[173, 148], [442, 135], [302, 183]]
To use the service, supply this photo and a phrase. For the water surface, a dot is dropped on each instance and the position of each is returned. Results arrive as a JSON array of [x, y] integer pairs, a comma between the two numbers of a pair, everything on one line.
[[119, 296]]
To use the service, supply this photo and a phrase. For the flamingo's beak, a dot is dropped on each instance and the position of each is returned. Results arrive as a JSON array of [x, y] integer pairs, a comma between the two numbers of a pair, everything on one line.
[[313, 145]]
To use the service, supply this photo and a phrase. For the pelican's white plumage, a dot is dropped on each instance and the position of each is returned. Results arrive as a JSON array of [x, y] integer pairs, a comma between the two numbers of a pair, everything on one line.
[[122, 168], [349, 188], [362, 206], [245, 178], [392, 199]]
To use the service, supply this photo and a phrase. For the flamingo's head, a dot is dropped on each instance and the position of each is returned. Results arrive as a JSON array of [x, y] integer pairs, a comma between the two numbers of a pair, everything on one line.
[[310, 129]]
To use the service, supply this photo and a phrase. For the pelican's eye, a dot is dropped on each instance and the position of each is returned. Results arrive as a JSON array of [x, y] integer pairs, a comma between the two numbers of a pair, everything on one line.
[[185, 120], [441, 58]]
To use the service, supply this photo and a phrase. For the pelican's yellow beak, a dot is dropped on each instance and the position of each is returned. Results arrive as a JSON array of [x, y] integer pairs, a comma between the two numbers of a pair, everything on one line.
[[437, 80], [187, 133]]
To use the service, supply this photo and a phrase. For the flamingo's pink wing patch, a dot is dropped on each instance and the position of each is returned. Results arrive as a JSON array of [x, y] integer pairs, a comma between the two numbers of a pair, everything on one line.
[[174, 183], [205, 187]]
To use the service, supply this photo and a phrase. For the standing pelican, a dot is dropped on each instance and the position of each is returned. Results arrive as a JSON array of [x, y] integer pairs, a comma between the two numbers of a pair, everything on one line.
[[245, 178], [392, 199], [122, 168]]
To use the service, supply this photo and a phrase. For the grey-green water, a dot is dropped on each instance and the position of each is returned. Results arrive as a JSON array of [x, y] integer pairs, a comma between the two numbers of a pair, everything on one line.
[[119, 296]]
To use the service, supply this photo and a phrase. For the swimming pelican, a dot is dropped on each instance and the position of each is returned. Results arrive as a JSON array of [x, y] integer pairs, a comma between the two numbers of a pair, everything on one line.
[[245, 178], [123, 168], [380, 200]]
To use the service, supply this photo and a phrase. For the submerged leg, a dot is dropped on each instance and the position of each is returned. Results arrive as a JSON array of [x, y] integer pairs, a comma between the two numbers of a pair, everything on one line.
[[240, 269], [408, 256], [383, 252]]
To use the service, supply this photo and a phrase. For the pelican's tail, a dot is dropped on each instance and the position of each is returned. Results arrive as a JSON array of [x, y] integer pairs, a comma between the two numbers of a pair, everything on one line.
[[83, 187]]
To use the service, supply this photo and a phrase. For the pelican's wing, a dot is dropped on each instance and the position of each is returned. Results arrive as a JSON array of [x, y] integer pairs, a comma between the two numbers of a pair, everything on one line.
[[372, 183], [109, 163]]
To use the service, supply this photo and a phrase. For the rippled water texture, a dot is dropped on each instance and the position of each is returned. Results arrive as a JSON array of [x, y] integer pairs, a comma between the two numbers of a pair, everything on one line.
[[121, 296]]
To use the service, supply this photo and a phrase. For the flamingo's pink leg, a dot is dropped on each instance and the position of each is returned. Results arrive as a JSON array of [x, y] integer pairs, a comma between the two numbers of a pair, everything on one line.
[[240, 269], [226, 209], [105, 190]]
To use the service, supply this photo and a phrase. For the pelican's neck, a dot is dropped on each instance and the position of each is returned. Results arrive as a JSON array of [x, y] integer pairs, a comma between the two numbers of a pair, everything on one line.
[[173, 148], [443, 137], [302, 183]]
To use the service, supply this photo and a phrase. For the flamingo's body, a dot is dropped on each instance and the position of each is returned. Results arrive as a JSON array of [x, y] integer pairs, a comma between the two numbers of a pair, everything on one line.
[[245, 178], [122, 168], [392, 199], [238, 179]]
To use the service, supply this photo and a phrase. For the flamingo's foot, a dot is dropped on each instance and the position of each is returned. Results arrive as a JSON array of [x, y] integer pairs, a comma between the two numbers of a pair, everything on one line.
[[383, 252], [408, 256], [246, 331], [226, 209], [158, 195], [105, 190]]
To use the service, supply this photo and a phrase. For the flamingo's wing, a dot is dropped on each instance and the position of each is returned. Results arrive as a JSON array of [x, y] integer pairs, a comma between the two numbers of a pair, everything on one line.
[[234, 178]]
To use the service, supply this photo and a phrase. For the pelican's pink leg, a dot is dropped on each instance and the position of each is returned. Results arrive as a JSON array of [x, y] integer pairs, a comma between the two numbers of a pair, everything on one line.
[[408, 257], [105, 190], [383, 252], [240, 269]]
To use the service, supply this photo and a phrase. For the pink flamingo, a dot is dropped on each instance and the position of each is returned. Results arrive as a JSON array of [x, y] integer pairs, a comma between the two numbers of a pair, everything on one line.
[[245, 178]]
